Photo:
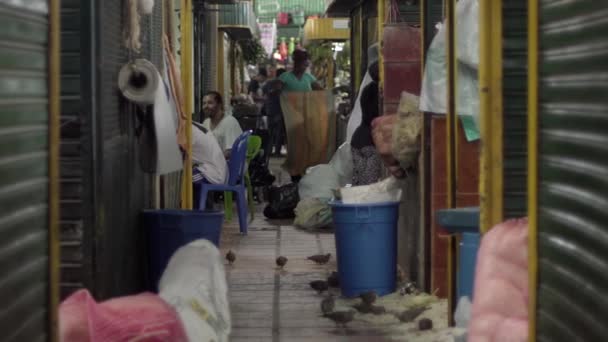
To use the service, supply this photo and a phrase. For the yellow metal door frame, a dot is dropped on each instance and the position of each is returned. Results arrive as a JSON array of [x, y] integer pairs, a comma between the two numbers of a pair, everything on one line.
[[186, 71], [381, 20], [491, 114], [533, 46], [451, 148]]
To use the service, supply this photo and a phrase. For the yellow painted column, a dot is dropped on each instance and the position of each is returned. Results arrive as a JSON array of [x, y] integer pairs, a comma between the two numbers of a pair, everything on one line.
[[381, 20], [491, 114], [186, 73], [451, 140], [533, 127], [54, 107]]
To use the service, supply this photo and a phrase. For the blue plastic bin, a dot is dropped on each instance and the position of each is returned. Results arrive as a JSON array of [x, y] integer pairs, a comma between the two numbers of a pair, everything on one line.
[[464, 221], [168, 230], [366, 246]]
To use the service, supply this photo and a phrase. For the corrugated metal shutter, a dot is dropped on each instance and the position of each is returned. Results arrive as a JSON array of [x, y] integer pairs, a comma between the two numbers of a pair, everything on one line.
[[210, 52], [410, 13], [125, 189], [24, 162], [515, 97], [434, 12], [573, 172], [76, 249]]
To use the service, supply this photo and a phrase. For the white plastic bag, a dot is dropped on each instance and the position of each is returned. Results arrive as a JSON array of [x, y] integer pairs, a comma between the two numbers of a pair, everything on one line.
[[388, 190], [318, 182], [342, 163], [312, 213], [194, 283], [433, 94]]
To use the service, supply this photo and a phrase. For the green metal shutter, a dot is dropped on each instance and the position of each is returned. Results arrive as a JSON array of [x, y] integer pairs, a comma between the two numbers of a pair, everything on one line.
[[24, 163], [515, 106], [124, 190], [433, 15], [573, 171], [76, 251]]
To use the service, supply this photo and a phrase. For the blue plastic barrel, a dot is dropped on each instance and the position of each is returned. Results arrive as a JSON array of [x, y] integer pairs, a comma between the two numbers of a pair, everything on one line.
[[168, 230], [463, 221], [366, 247], [467, 259]]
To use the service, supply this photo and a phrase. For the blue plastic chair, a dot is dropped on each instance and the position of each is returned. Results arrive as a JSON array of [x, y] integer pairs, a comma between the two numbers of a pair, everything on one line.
[[236, 180]]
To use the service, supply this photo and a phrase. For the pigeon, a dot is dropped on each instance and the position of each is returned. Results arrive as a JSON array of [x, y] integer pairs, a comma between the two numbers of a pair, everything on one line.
[[363, 308], [410, 315], [425, 324], [231, 257], [328, 304], [333, 280], [400, 275], [281, 261], [368, 298], [378, 310], [320, 259], [319, 285], [341, 317]]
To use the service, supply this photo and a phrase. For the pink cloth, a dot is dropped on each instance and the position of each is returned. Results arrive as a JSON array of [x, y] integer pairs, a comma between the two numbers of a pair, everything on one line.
[[500, 306], [145, 317]]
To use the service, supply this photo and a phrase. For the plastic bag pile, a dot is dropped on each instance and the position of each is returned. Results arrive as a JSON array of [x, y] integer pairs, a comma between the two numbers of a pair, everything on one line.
[[316, 189]]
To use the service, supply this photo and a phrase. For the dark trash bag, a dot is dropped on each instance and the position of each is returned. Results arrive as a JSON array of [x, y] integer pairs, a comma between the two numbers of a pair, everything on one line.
[[282, 202], [259, 173]]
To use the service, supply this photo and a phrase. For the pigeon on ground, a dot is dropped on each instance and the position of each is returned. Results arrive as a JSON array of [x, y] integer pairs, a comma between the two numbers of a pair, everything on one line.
[[281, 261], [425, 324], [231, 257], [341, 317], [333, 280], [319, 285], [327, 305], [378, 310], [410, 315], [320, 259], [368, 298], [363, 308]]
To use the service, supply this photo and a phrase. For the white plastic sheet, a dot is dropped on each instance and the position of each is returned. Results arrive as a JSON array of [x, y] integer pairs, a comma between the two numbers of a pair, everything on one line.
[[434, 84], [355, 116]]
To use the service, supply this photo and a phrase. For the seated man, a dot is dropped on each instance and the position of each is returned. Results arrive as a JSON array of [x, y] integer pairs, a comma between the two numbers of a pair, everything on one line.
[[208, 161], [225, 128]]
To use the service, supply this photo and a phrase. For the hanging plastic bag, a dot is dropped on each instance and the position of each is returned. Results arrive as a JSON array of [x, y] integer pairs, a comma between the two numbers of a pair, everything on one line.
[[342, 163], [433, 96]]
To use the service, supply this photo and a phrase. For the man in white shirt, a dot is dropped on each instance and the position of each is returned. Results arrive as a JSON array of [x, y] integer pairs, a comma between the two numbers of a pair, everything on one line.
[[207, 157], [225, 128]]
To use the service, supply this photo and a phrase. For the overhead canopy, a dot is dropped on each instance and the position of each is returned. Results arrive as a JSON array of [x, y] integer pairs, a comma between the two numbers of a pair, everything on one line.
[[341, 8], [238, 20], [334, 29]]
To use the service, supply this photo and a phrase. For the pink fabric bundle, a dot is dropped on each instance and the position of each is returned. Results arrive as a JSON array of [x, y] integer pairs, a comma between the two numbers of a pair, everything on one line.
[[145, 317], [500, 306]]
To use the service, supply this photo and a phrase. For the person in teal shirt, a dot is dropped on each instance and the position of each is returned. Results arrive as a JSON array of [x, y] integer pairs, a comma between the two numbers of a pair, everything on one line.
[[298, 79]]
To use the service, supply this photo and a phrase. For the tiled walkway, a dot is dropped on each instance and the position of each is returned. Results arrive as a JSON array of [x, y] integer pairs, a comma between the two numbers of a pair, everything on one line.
[[272, 305]]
